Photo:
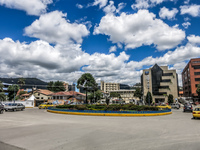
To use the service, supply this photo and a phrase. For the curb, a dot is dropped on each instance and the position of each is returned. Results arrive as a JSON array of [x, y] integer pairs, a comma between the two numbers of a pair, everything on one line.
[[109, 114]]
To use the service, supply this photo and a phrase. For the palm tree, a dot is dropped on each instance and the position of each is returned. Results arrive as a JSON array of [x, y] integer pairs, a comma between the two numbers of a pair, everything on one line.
[[2, 94], [21, 82], [1, 86]]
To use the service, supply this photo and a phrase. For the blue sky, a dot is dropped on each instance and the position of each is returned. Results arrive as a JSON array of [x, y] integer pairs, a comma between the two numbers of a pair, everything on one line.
[[113, 40]]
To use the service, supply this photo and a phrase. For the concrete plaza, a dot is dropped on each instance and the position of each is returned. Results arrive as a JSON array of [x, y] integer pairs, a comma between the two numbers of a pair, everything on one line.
[[35, 129]]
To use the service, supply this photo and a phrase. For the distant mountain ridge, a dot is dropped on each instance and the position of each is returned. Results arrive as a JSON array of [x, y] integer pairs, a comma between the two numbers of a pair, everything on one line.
[[29, 82]]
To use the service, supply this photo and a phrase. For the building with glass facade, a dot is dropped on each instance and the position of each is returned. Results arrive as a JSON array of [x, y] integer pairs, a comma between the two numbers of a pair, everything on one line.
[[160, 82]]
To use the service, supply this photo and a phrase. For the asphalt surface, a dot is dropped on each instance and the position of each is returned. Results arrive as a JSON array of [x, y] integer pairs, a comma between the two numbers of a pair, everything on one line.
[[35, 129]]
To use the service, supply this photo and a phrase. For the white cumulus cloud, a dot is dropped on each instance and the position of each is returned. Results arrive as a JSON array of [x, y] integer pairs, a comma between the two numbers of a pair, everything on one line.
[[54, 28], [165, 13], [186, 24], [112, 9], [79, 6], [101, 3], [32, 7], [193, 10], [144, 4], [194, 39], [141, 28], [113, 48]]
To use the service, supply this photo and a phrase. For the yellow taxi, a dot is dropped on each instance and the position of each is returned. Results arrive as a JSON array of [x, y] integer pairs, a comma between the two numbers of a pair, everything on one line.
[[45, 105], [164, 106], [196, 113]]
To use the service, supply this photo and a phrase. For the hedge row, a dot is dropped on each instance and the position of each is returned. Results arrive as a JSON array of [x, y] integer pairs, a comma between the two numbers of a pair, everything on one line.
[[113, 107]]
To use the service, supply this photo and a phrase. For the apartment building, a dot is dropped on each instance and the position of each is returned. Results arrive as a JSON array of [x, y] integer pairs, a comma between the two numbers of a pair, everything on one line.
[[191, 78], [160, 82], [126, 95], [106, 87], [124, 90]]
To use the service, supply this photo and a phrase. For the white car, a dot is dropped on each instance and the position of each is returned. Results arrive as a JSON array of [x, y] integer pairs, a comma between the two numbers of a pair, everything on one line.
[[175, 106], [14, 106]]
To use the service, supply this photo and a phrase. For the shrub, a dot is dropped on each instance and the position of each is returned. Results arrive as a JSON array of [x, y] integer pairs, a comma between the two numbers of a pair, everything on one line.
[[80, 107], [113, 107], [66, 106]]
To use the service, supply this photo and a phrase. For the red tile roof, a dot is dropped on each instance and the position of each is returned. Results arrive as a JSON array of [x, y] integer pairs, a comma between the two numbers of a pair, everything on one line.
[[45, 92], [61, 94], [77, 93], [69, 93], [25, 95]]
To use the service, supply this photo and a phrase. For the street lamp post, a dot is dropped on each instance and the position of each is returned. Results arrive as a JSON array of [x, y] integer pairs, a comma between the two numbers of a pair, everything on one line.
[[14, 90]]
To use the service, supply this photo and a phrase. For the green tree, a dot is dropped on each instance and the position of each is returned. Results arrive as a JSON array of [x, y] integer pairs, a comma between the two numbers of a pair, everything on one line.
[[88, 82], [1, 86], [22, 92], [107, 100], [2, 94], [114, 94], [97, 95], [50, 86], [56, 86], [148, 98], [170, 99], [198, 90], [12, 91], [21, 82], [138, 93]]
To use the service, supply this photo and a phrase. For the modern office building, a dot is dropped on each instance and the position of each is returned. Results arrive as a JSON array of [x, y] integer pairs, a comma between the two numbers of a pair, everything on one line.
[[191, 78], [160, 82]]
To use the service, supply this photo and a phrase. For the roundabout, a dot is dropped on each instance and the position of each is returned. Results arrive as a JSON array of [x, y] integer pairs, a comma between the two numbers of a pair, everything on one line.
[[110, 113]]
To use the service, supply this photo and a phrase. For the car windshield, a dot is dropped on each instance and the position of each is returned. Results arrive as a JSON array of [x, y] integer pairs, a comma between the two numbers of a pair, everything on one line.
[[11, 104], [197, 109], [43, 103]]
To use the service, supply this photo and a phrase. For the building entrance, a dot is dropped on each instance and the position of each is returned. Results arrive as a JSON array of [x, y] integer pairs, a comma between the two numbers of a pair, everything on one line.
[[159, 100]]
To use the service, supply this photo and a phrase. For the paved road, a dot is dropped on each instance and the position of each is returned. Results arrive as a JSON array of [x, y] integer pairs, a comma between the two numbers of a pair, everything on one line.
[[35, 129]]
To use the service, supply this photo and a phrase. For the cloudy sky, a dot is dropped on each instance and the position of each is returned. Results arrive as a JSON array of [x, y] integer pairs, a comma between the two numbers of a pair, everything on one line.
[[112, 40]]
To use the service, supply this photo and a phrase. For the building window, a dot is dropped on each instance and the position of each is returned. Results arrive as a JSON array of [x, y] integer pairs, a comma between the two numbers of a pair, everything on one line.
[[166, 80], [197, 79], [196, 73], [167, 74], [195, 62], [196, 67]]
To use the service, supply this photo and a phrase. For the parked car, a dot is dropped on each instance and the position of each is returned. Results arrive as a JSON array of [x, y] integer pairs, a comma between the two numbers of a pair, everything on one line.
[[175, 106], [163, 106], [187, 107], [196, 113], [14, 106], [1, 108], [45, 105]]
